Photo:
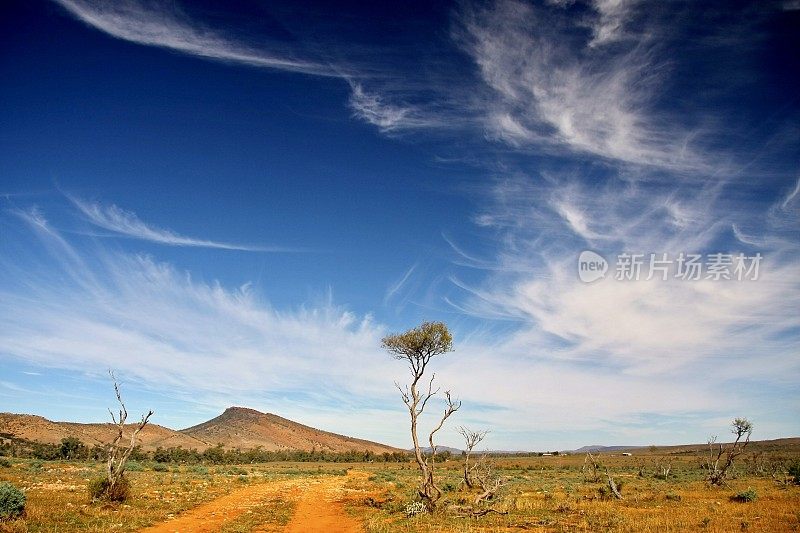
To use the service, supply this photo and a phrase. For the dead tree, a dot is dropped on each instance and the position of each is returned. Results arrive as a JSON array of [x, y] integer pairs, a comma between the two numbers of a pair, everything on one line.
[[417, 347], [118, 453], [489, 481], [612, 486], [663, 468], [471, 439], [717, 466], [589, 462]]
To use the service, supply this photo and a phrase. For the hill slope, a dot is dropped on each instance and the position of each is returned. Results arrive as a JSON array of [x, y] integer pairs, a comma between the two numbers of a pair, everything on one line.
[[248, 428], [39, 429]]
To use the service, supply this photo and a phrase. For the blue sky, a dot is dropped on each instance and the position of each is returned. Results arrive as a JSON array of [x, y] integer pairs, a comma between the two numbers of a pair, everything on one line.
[[230, 204]]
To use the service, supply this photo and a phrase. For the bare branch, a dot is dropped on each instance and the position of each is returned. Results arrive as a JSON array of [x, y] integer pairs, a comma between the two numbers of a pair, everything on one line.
[[430, 393], [471, 439]]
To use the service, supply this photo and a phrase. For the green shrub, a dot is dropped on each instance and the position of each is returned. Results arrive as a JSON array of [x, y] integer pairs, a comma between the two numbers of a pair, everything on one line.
[[199, 469], [12, 501], [160, 467], [100, 489], [133, 466], [794, 471], [36, 465], [5, 463], [449, 487], [745, 496]]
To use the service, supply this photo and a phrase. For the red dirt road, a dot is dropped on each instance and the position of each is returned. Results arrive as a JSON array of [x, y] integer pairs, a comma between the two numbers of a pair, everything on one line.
[[318, 507]]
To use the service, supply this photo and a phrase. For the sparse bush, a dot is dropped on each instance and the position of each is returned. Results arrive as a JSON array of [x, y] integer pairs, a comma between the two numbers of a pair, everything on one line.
[[160, 467], [745, 496], [133, 466], [71, 448], [199, 469], [12, 501], [794, 471], [671, 496], [5, 463], [100, 488], [36, 465]]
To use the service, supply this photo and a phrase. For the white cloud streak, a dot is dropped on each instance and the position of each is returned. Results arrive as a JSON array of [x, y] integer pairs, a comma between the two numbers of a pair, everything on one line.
[[609, 26], [127, 224], [155, 24], [373, 109], [395, 287], [548, 87]]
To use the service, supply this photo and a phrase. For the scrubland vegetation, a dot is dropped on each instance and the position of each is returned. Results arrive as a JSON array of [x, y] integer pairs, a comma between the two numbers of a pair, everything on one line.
[[551, 493]]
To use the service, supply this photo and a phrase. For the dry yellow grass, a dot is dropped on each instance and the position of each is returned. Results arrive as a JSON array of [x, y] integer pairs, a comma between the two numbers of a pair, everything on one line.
[[545, 494]]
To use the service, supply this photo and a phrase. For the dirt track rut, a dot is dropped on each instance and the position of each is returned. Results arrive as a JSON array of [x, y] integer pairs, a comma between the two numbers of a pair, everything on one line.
[[318, 507]]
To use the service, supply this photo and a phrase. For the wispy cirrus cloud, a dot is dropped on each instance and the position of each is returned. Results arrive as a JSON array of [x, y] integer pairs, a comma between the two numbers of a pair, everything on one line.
[[544, 225], [165, 25], [548, 86], [218, 345], [127, 224], [153, 23], [388, 117], [395, 287], [608, 27], [542, 80]]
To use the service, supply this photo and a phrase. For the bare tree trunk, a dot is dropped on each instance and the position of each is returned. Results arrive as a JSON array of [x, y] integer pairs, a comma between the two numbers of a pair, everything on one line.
[[117, 454], [613, 486]]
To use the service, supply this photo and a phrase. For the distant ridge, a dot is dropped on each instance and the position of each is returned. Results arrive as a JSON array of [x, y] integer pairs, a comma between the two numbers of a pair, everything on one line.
[[595, 448], [39, 429], [237, 427], [760, 445], [440, 449]]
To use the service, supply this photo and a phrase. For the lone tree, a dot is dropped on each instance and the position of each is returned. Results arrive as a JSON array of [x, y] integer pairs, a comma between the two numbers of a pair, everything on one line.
[[471, 439], [417, 347], [717, 467], [114, 486]]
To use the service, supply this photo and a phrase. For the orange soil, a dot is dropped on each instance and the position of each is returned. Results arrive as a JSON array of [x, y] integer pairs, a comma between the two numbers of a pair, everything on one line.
[[318, 507]]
